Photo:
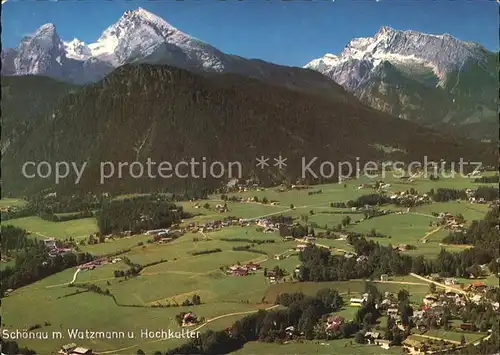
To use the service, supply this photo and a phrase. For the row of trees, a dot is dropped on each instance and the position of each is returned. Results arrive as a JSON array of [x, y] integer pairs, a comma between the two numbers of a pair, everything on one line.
[[57, 203], [487, 179], [302, 312], [488, 193], [66, 217], [33, 264], [138, 214], [318, 264], [14, 239], [483, 233]]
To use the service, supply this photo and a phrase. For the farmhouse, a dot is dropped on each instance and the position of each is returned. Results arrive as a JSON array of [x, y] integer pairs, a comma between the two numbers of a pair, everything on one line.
[[81, 351], [334, 322], [430, 299], [189, 318], [252, 266], [384, 344], [357, 302], [301, 247], [50, 243], [468, 327], [414, 346], [392, 312], [362, 258], [240, 272], [450, 281], [67, 348], [157, 232], [477, 287]]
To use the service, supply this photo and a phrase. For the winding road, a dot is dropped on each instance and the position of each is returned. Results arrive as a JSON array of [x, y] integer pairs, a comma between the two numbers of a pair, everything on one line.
[[115, 351]]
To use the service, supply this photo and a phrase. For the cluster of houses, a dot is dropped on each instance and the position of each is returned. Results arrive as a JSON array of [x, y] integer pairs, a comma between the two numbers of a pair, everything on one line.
[[272, 277], [189, 319], [91, 265], [73, 349], [161, 236], [472, 199], [267, 225], [54, 250], [243, 270], [416, 198], [451, 222]]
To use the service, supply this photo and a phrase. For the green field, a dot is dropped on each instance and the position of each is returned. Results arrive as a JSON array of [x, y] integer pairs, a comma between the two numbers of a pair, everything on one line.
[[455, 335], [182, 274], [78, 228], [12, 202]]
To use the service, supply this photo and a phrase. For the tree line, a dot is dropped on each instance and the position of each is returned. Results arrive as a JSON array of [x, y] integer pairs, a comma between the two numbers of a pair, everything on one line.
[[138, 214], [302, 312], [33, 264]]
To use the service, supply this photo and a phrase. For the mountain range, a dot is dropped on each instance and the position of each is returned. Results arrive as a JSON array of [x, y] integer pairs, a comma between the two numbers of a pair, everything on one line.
[[417, 76], [436, 80], [152, 91], [142, 37]]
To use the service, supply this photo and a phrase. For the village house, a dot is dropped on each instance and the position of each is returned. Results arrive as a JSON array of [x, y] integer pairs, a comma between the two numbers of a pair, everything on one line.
[[477, 299], [468, 327], [67, 348], [81, 351], [402, 247], [252, 266], [349, 255], [383, 343], [450, 281], [371, 337], [357, 302], [392, 312], [414, 346], [334, 322], [430, 299], [164, 240], [476, 287], [240, 272], [162, 231], [50, 243], [362, 258], [189, 318], [301, 247]]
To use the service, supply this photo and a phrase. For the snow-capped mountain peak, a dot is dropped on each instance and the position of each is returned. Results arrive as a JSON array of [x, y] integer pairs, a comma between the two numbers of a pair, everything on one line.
[[77, 49], [137, 32], [137, 36], [441, 53]]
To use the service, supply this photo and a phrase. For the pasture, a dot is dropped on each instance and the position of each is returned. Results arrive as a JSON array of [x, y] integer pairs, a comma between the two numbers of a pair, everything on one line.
[[182, 274], [40, 228]]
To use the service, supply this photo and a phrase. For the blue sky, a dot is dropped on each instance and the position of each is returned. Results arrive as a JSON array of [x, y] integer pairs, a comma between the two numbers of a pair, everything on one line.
[[283, 32]]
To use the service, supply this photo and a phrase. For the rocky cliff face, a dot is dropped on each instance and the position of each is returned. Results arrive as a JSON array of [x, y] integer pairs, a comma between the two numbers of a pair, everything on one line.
[[417, 76]]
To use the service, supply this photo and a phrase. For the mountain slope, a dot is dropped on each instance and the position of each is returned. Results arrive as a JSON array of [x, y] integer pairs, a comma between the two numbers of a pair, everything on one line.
[[168, 114], [26, 101], [417, 76], [142, 37]]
